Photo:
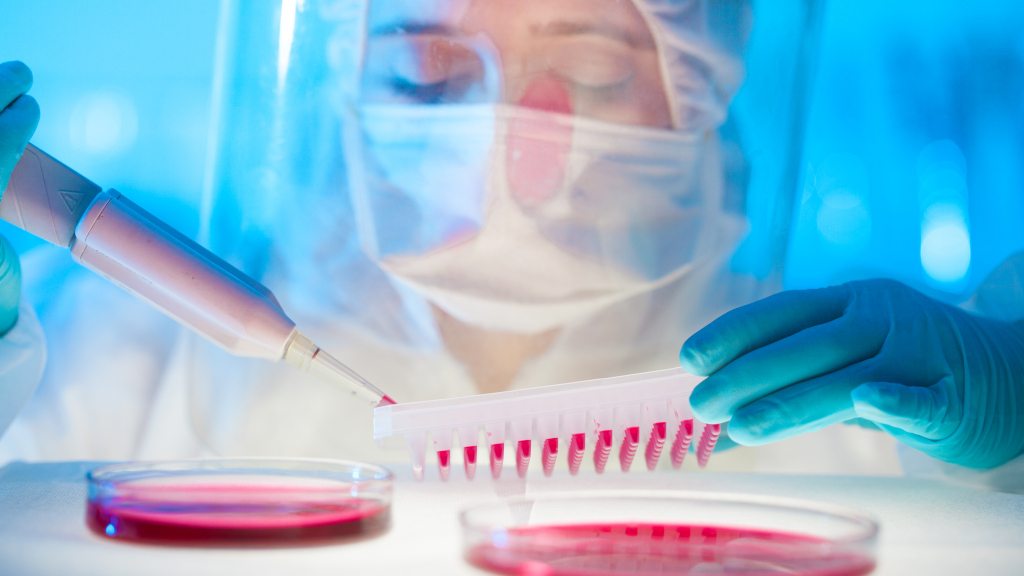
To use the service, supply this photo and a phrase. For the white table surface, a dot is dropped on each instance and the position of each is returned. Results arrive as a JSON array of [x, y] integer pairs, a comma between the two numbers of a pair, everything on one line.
[[927, 527]]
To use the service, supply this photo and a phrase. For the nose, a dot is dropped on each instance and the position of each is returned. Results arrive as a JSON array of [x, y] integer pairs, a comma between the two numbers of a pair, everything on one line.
[[538, 148]]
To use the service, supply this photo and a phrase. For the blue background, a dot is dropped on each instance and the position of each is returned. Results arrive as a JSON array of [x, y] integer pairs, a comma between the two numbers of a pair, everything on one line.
[[915, 126]]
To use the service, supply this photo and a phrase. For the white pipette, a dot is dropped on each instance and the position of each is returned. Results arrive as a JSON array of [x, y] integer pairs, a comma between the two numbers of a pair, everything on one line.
[[112, 236]]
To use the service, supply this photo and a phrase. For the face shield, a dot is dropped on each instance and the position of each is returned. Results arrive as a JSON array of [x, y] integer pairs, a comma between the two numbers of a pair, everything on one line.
[[524, 164], [519, 164]]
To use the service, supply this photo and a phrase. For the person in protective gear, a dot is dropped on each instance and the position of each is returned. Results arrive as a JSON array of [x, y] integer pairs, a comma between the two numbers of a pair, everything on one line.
[[937, 378], [452, 197], [21, 357]]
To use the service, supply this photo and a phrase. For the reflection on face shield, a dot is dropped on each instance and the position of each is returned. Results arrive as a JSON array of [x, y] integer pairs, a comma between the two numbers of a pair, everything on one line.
[[601, 53], [522, 177]]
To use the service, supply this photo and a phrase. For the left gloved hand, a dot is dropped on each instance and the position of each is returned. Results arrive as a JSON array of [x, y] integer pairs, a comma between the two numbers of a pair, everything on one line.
[[943, 381], [19, 115]]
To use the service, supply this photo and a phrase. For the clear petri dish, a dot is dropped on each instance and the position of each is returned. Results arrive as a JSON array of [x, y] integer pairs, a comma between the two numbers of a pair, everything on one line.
[[668, 533], [239, 501]]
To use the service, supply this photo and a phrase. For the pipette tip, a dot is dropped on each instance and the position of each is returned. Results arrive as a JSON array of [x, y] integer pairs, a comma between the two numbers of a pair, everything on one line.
[[307, 356]]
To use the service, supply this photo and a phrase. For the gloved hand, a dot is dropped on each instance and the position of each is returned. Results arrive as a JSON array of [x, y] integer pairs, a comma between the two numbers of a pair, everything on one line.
[[943, 381], [19, 115]]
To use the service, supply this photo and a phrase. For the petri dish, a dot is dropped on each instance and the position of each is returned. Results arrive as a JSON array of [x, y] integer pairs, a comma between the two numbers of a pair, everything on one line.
[[239, 501], [668, 533]]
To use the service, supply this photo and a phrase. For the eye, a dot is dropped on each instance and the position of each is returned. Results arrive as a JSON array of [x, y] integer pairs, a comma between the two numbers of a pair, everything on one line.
[[592, 61], [422, 68]]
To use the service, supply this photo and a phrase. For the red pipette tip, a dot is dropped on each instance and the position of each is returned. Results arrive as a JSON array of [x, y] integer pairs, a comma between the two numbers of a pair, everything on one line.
[[549, 454], [655, 445], [444, 464], [469, 460], [523, 457], [682, 442], [602, 450], [627, 452], [708, 439], [497, 457], [576, 448], [386, 401]]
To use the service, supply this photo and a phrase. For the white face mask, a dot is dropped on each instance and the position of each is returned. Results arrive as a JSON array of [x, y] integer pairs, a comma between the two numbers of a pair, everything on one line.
[[519, 220]]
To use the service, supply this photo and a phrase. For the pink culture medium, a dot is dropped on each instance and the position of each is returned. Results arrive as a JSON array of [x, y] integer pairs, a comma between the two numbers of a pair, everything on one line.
[[238, 502], [605, 549]]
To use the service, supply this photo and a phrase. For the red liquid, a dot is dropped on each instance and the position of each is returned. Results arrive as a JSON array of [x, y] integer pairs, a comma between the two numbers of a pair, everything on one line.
[[469, 460], [386, 401], [549, 455], [605, 549], [523, 457], [630, 441], [655, 445], [682, 443], [708, 439], [577, 445], [602, 450], [497, 457], [444, 464], [211, 520]]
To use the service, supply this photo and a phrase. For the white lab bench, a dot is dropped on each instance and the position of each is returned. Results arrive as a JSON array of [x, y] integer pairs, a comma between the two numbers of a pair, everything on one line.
[[926, 527]]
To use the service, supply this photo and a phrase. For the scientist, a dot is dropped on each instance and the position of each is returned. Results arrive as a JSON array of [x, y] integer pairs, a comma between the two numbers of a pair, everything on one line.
[[529, 193]]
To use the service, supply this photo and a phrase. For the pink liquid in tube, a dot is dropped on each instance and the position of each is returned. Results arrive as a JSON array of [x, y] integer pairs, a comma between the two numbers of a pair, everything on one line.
[[549, 455], [386, 401], [630, 441], [707, 443], [469, 461], [523, 457], [207, 521], [497, 457], [577, 444], [682, 443], [444, 464], [642, 548], [655, 445], [602, 450]]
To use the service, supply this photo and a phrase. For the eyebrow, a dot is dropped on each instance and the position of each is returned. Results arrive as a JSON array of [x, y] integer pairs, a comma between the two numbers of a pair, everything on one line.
[[600, 28]]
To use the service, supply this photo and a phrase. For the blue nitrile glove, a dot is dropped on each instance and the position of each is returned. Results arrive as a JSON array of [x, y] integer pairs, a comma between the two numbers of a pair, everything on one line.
[[946, 382], [19, 115]]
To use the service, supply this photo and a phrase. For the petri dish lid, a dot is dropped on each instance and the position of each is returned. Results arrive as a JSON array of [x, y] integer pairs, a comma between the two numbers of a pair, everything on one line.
[[615, 533], [239, 501]]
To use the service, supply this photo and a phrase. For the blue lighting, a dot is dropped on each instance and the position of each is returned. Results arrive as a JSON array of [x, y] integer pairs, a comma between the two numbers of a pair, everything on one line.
[[922, 113], [841, 183], [499, 538], [942, 194], [110, 530]]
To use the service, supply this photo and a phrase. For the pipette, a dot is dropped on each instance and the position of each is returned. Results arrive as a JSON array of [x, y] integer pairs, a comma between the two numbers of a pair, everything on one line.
[[653, 407], [112, 236]]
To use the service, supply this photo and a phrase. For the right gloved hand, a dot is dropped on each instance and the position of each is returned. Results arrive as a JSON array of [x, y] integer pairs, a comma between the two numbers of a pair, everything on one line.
[[941, 380], [19, 115]]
